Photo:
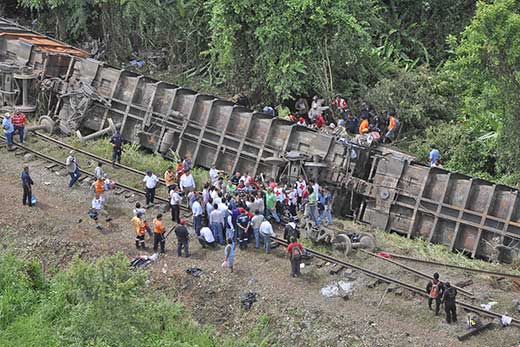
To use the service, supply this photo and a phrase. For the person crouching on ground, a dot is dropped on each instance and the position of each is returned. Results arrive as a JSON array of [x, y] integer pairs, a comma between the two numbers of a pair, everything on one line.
[[206, 238]]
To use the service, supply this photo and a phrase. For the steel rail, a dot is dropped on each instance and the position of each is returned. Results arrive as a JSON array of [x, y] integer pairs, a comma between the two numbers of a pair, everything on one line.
[[387, 279], [493, 273], [61, 163], [94, 156], [417, 272], [317, 254]]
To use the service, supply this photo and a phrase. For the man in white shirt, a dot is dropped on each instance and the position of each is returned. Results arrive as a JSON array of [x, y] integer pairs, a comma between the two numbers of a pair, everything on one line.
[[187, 183], [216, 222], [266, 231], [206, 238], [149, 183], [196, 208], [175, 204], [213, 175], [72, 168]]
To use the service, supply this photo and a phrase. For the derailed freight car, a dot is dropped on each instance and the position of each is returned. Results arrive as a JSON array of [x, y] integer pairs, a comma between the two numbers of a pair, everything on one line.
[[380, 186]]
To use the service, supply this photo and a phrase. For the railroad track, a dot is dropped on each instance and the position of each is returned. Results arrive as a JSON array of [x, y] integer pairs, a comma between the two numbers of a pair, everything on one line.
[[61, 163], [387, 279], [282, 242]]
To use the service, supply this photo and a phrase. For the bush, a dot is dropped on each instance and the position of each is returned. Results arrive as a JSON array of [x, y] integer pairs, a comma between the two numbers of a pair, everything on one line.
[[101, 304]]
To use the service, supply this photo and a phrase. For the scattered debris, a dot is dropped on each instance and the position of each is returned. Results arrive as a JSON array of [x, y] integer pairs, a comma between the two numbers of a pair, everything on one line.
[[463, 284], [339, 289], [489, 305], [374, 283], [28, 157], [248, 299], [194, 271], [505, 320], [476, 331]]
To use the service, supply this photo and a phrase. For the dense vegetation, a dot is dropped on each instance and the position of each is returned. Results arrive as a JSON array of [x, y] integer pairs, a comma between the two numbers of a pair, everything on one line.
[[449, 67], [102, 304]]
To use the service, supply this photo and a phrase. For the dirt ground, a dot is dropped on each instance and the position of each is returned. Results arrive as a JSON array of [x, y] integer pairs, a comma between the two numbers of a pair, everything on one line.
[[58, 229]]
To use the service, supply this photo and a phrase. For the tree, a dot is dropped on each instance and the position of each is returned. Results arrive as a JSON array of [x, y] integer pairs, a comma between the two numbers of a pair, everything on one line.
[[485, 70], [281, 49]]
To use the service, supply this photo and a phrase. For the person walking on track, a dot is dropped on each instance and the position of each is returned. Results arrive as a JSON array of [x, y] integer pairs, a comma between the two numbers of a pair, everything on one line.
[[27, 183], [72, 168]]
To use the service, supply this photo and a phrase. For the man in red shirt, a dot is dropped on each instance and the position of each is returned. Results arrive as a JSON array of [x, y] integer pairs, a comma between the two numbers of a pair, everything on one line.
[[19, 120], [295, 250]]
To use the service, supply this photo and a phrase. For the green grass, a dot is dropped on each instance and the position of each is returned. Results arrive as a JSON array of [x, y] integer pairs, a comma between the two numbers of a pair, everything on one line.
[[98, 304], [422, 249], [133, 156]]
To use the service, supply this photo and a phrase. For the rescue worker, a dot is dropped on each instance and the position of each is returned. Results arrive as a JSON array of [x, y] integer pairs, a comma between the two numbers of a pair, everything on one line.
[[27, 183], [72, 168], [8, 127], [117, 147], [169, 178], [392, 127], [19, 120], [158, 233], [363, 127], [182, 238], [243, 222], [448, 299], [435, 289], [138, 224], [295, 251]]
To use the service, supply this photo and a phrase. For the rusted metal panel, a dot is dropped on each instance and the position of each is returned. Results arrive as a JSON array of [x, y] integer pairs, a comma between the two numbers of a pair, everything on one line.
[[381, 185]]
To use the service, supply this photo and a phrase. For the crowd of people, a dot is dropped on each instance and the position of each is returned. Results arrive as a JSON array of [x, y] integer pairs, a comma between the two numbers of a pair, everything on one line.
[[382, 128], [235, 211]]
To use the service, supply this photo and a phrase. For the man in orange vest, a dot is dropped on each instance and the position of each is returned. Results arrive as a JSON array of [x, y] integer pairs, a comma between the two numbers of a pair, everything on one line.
[[158, 233], [363, 127], [435, 289]]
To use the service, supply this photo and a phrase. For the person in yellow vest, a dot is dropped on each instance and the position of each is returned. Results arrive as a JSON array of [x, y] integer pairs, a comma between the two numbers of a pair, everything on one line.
[[138, 224], [169, 178], [158, 233]]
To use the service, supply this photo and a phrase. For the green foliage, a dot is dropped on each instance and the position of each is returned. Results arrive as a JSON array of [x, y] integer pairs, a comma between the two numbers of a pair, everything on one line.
[[418, 96], [101, 304], [279, 48], [485, 71]]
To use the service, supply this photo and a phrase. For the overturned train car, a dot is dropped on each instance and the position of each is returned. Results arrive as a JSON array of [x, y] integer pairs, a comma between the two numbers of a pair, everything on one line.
[[379, 186]]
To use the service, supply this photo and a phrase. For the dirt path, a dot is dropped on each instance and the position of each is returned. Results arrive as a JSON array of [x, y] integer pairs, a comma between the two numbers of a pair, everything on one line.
[[59, 229]]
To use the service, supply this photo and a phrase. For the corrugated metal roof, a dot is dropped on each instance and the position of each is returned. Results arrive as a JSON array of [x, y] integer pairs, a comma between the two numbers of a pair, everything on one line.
[[12, 31]]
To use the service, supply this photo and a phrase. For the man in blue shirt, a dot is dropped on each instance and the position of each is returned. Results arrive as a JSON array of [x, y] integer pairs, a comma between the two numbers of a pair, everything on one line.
[[27, 182], [434, 155], [8, 127]]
